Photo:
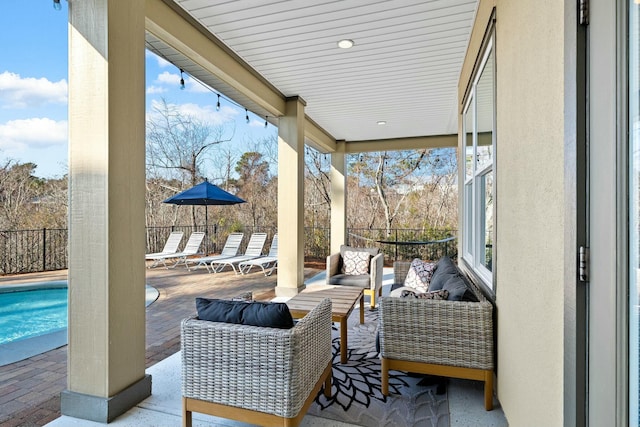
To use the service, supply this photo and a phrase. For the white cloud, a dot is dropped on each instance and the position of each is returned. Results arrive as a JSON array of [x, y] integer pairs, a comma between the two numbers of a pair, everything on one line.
[[23, 92], [16, 135], [206, 114], [162, 63], [256, 123], [168, 78], [173, 79], [152, 90], [195, 86]]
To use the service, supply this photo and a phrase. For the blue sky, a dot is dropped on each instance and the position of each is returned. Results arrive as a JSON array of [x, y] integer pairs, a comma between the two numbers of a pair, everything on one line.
[[33, 91]]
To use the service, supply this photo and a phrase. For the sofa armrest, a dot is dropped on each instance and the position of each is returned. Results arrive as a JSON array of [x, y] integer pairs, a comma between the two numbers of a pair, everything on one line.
[[333, 265], [376, 271], [400, 271], [238, 365], [452, 333]]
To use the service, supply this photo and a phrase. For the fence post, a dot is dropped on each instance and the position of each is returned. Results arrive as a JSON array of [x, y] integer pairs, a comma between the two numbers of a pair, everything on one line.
[[44, 249]]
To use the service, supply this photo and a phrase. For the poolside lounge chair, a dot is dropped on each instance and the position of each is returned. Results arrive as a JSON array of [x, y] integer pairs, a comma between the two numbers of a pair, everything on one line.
[[269, 261], [191, 248], [170, 247], [229, 250], [254, 250]]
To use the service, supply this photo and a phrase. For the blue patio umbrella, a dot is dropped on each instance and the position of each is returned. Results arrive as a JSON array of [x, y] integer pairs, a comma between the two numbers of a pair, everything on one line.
[[204, 194]]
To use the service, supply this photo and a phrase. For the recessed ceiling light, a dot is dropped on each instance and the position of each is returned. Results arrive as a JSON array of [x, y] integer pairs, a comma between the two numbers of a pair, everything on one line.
[[345, 44], [382, 122]]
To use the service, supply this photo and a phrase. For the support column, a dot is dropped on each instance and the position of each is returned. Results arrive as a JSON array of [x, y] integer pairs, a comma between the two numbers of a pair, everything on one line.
[[291, 199], [338, 177], [106, 352]]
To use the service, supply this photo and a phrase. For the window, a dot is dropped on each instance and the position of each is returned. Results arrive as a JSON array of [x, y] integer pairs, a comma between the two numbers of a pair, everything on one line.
[[479, 186], [634, 212]]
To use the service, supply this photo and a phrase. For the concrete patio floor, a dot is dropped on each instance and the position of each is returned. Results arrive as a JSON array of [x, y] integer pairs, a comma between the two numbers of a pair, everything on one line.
[[29, 390]]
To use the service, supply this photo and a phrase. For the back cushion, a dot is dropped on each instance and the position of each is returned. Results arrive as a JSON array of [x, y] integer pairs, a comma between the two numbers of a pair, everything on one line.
[[352, 259], [355, 263], [266, 314], [458, 289], [445, 269]]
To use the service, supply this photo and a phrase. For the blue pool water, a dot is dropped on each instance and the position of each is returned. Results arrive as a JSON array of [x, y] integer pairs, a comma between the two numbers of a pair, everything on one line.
[[30, 313]]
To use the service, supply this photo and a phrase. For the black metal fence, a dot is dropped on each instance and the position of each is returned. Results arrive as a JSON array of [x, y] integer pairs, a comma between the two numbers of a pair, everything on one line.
[[26, 251]]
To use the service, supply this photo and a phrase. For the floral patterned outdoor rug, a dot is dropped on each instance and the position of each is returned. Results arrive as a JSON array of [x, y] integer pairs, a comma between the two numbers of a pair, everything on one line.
[[355, 391]]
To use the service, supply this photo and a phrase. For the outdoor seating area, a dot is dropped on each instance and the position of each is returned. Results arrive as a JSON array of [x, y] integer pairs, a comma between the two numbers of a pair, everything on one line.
[[177, 289]]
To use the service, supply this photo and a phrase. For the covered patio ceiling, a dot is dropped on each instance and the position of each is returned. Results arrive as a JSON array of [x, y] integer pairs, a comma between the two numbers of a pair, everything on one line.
[[403, 68]]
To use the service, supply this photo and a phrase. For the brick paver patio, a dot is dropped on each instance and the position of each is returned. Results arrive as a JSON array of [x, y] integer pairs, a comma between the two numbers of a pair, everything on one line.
[[30, 389]]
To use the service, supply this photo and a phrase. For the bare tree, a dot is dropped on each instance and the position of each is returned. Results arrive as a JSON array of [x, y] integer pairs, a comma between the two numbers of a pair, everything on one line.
[[177, 145]]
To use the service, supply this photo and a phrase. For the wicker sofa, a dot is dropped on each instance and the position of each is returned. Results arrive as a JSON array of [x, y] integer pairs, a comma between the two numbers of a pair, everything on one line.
[[259, 375], [437, 337]]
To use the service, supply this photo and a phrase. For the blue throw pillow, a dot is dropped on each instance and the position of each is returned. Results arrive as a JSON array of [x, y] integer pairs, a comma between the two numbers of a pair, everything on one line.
[[265, 314]]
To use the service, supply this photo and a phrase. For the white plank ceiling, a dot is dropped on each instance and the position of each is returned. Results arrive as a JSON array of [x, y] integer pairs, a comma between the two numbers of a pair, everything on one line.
[[403, 68]]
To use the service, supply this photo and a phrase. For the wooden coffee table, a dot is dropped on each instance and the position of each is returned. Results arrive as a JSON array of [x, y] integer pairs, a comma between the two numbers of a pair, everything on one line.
[[343, 300]]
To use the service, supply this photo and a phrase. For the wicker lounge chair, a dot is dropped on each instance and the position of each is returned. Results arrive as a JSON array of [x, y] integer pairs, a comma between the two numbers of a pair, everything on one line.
[[267, 263], [258, 375], [230, 249]]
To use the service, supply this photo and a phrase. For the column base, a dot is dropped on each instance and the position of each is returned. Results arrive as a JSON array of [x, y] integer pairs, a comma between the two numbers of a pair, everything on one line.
[[282, 291], [104, 409]]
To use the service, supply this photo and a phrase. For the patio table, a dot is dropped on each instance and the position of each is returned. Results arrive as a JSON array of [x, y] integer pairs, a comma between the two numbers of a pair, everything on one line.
[[343, 300]]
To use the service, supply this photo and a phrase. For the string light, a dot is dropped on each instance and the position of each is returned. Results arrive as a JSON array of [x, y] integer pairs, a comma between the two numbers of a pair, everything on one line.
[[265, 121], [218, 105]]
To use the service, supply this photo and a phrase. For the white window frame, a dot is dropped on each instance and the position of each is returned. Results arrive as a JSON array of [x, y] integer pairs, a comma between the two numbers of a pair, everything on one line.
[[472, 238]]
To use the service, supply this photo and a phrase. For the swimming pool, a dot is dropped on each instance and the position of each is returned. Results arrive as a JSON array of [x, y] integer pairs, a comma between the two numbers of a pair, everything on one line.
[[33, 318], [29, 313]]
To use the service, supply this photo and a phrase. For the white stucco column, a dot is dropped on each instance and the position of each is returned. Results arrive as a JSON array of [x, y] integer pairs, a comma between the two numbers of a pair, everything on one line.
[[291, 199], [106, 353], [338, 177]]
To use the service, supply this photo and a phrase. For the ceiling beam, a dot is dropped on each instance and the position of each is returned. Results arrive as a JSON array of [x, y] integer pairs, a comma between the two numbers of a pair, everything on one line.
[[171, 24], [318, 138], [396, 144]]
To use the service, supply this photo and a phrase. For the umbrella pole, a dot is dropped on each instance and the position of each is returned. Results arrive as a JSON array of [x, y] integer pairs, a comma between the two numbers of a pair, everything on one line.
[[206, 229]]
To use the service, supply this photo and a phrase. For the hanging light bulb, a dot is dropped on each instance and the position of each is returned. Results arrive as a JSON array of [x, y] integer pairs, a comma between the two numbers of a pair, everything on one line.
[[57, 5], [218, 104], [265, 121], [246, 115], [181, 80]]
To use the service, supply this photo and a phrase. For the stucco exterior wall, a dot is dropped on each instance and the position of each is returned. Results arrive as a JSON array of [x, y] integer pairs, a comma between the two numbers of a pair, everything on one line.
[[529, 263], [530, 210]]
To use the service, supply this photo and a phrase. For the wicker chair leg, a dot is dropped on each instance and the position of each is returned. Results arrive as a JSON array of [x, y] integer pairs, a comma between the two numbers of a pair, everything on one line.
[[385, 377], [327, 385], [488, 390], [186, 415]]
